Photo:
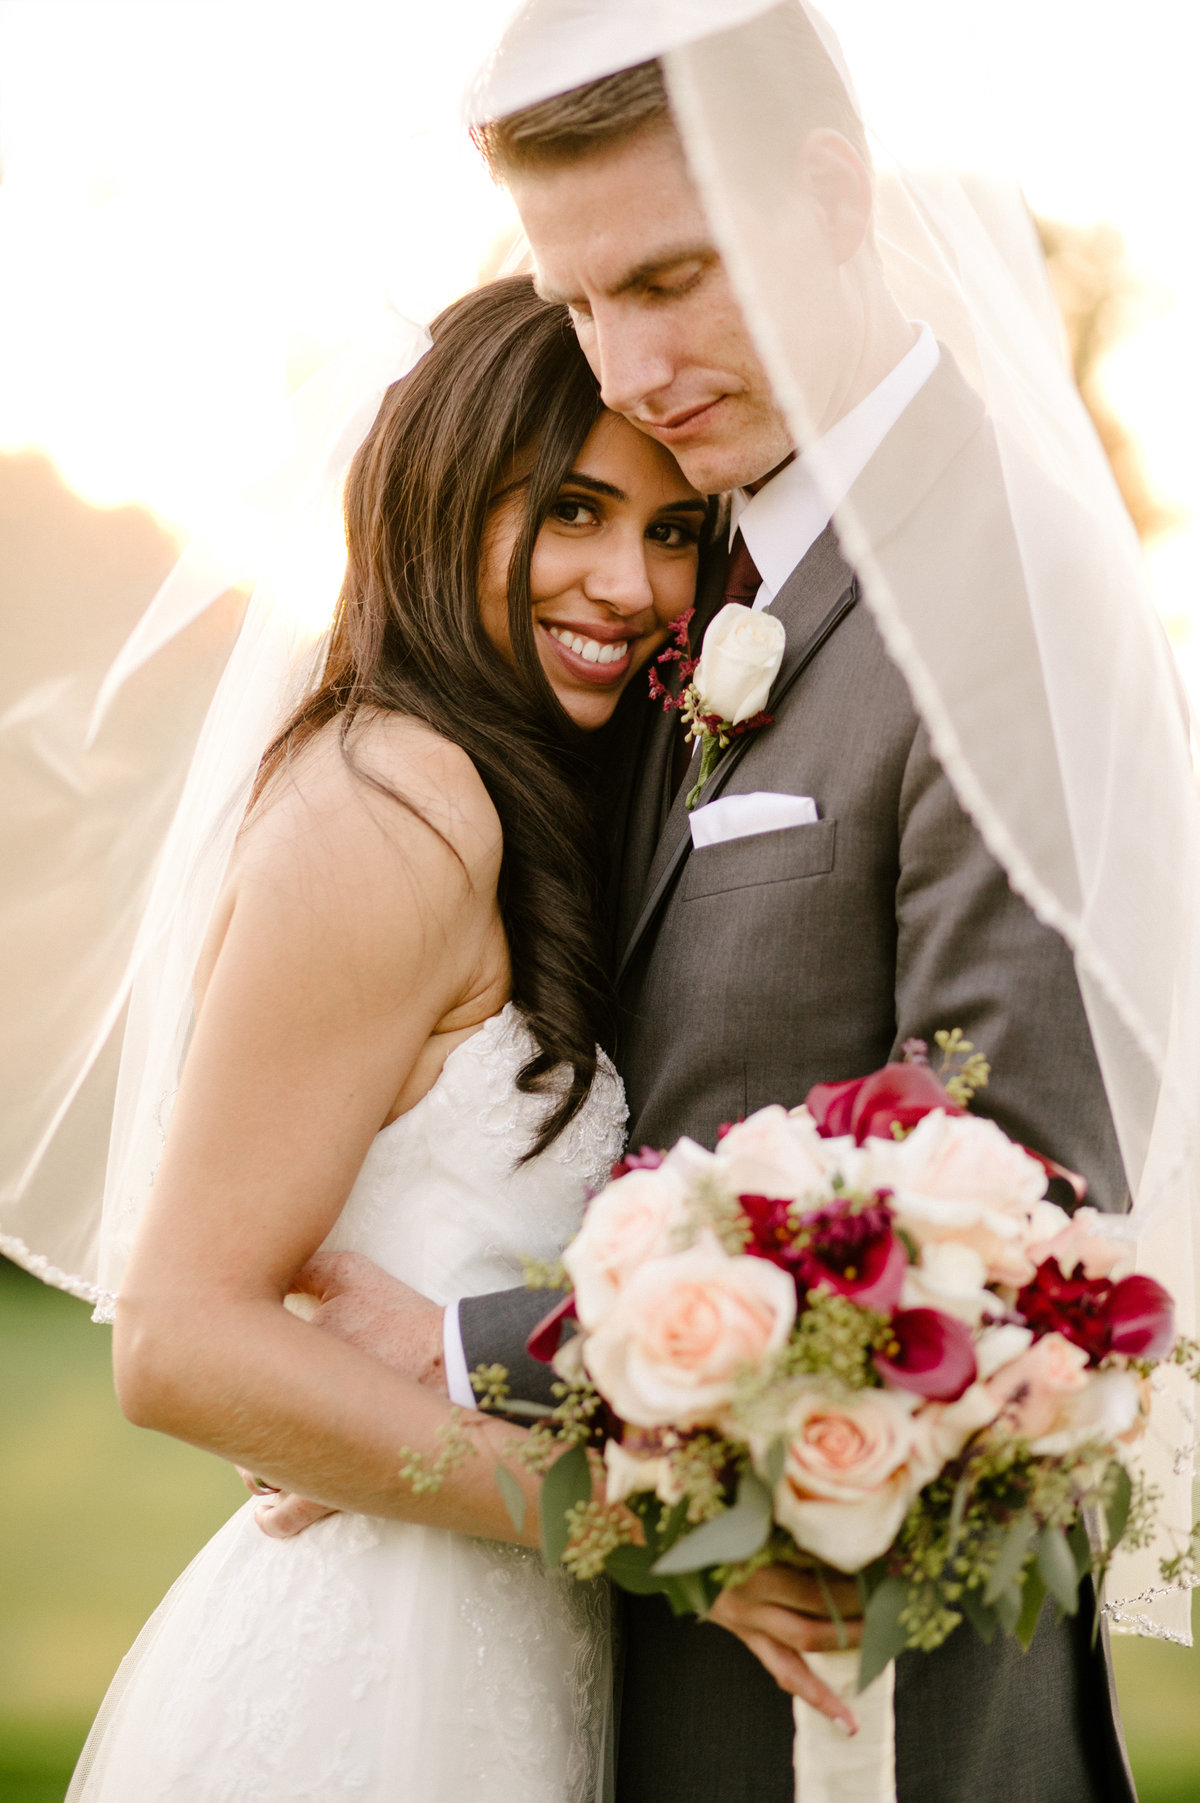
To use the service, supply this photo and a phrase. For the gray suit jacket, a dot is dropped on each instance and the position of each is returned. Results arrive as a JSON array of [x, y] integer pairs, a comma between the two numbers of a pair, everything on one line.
[[751, 970]]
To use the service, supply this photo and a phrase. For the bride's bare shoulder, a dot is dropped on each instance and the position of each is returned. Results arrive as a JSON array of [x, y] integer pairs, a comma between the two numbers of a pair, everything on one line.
[[392, 784]]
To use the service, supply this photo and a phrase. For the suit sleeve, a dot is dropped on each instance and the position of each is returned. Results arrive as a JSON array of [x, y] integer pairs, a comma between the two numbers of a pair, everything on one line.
[[971, 954], [494, 1330]]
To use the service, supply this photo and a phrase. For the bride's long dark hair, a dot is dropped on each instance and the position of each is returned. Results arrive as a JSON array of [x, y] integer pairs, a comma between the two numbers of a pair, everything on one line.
[[504, 379]]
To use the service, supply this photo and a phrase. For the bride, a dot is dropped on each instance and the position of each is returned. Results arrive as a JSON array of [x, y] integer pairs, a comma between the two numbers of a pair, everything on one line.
[[395, 1053]]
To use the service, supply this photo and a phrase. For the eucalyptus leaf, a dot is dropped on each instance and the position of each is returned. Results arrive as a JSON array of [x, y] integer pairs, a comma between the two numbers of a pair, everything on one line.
[[631, 1568], [1081, 1547], [776, 1455], [1008, 1606], [883, 1637], [735, 1534], [514, 1496], [689, 1593], [1116, 1509], [1033, 1595], [568, 1481], [1013, 1554], [529, 1411], [958, 1508], [1056, 1562], [981, 1615]]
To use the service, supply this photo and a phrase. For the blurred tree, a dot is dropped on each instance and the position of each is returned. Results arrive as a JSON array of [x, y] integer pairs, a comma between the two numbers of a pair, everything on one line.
[[1101, 301]]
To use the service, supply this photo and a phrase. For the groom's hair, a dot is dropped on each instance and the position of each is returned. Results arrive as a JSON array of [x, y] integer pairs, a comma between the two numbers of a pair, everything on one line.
[[575, 125]]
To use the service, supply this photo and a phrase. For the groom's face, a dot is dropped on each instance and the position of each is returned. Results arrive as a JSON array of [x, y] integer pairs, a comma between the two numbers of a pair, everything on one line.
[[621, 237]]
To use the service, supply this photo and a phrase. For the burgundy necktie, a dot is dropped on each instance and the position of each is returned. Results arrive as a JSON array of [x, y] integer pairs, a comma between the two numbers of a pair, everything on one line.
[[742, 580]]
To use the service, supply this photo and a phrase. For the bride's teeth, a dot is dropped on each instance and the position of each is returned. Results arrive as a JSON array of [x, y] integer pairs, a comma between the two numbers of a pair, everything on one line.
[[593, 651]]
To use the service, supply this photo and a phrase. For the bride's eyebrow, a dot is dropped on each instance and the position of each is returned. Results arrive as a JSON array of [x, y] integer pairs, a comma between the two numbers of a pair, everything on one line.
[[576, 479]]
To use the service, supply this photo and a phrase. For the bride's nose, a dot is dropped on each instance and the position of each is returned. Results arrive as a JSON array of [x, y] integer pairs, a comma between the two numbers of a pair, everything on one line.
[[619, 577]]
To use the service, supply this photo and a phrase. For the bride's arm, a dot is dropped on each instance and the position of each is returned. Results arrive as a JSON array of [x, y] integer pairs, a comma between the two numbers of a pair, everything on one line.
[[353, 933]]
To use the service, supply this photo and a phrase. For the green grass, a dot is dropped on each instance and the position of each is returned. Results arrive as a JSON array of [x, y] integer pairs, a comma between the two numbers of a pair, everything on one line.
[[98, 1518]]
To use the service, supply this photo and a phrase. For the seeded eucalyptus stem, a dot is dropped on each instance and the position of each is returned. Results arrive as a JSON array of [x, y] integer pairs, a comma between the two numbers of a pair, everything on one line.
[[709, 755]]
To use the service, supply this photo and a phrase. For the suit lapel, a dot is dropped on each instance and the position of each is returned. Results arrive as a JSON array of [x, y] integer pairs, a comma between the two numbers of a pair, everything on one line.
[[812, 604]]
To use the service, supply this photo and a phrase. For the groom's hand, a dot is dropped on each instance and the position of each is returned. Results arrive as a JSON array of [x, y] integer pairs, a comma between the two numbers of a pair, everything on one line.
[[362, 1304], [781, 1614], [383, 1317]]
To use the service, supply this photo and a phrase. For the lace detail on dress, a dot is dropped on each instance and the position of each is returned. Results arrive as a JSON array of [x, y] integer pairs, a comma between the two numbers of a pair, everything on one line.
[[376, 1661], [550, 1697]]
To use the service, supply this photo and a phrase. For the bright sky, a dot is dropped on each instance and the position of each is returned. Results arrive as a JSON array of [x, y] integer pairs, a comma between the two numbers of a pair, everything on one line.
[[202, 200]]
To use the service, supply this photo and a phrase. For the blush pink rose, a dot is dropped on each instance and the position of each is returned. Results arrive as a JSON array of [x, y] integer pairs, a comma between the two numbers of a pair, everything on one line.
[[633, 1219], [1033, 1393], [960, 1178], [852, 1465], [681, 1331], [776, 1154]]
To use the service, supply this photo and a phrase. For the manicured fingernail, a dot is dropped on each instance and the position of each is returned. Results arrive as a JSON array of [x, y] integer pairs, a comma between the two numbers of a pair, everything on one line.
[[845, 1728]]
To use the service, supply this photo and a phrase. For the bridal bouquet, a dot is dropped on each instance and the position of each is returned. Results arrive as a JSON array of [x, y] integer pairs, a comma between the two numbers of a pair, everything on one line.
[[855, 1337]]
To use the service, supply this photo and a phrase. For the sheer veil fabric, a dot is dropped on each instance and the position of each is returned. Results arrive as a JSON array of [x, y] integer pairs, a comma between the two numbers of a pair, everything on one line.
[[1044, 680]]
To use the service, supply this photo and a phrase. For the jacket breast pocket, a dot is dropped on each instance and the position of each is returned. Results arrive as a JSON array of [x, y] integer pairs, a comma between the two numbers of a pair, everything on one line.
[[782, 857]]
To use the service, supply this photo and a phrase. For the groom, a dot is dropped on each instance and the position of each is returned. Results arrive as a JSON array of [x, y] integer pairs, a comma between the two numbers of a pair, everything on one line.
[[764, 962]]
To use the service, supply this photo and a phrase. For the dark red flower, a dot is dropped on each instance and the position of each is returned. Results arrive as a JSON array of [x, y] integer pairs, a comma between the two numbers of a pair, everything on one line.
[[546, 1337], [867, 1107], [846, 1247], [1135, 1317], [645, 1160], [929, 1353], [1141, 1317]]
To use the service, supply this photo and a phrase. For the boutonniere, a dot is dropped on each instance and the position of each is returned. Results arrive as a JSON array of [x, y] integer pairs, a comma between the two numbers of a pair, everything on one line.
[[723, 692]]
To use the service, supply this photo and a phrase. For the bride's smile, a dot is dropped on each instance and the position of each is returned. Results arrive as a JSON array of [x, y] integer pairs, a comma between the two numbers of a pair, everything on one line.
[[613, 564]]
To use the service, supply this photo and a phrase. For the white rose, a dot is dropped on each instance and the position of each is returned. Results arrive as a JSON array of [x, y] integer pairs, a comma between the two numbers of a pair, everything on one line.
[[739, 661], [957, 1177], [632, 1219], [852, 1465], [950, 1277], [997, 1346], [777, 1154], [683, 1328], [630, 1476], [1105, 1410]]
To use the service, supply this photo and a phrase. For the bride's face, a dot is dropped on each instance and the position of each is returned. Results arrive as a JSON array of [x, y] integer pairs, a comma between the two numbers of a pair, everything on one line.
[[612, 566]]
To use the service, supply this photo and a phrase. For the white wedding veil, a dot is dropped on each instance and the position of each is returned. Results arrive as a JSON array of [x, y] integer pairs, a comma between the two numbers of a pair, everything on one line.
[[1045, 681]]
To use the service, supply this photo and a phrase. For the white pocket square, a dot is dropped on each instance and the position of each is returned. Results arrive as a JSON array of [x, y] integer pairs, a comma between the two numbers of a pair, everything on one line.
[[737, 816]]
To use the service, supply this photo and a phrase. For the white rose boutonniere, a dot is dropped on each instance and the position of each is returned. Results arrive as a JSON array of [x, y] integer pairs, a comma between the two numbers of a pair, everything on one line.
[[729, 683]]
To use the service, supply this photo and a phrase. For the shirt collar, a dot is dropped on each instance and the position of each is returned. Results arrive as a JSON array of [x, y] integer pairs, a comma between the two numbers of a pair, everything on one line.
[[790, 512]]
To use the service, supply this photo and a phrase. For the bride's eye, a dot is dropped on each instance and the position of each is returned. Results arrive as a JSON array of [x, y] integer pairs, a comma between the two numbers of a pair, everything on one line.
[[569, 510], [674, 534]]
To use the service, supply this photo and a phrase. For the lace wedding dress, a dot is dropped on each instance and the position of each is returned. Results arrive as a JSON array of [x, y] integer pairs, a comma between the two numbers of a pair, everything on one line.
[[369, 1659]]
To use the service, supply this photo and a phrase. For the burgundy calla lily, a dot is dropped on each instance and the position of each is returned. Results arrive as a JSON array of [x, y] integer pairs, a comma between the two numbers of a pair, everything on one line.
[[546, 1337], [867, 1107], [929, 1353], [1141, 1318]]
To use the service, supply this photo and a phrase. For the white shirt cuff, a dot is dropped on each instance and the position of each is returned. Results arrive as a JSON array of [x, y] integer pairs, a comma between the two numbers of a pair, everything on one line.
[[458, 1383]]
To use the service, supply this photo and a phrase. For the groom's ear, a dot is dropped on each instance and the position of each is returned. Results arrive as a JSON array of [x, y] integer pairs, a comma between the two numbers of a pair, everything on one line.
[[838, 182]]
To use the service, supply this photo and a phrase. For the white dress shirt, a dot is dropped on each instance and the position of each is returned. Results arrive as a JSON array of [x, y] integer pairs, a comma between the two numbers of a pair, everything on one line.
[[779, 524], [789, 513]]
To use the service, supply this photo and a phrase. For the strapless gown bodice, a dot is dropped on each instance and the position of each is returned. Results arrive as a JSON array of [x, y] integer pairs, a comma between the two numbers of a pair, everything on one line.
[[371, 1660]]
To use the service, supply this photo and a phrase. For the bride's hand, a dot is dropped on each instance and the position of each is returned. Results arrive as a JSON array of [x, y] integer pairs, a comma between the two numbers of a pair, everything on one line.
[[781, 1614], [358, 1302]]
